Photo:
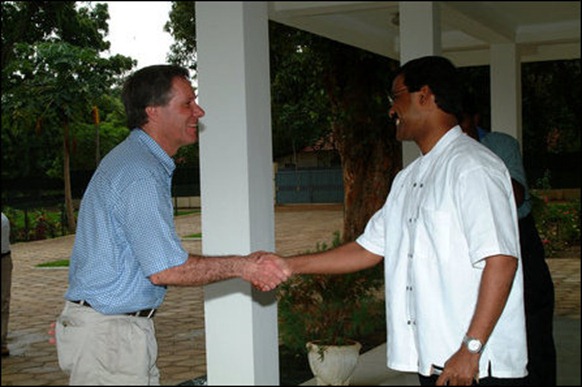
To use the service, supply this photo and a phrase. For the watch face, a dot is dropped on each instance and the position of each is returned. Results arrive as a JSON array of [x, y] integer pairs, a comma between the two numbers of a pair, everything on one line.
[[474, 345]]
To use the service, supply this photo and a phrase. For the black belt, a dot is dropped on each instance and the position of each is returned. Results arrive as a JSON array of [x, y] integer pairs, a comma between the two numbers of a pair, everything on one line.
[[149, 313], [5, 254]]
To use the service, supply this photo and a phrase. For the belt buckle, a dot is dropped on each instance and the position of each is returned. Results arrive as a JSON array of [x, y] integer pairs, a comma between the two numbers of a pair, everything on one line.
[[141, 313]]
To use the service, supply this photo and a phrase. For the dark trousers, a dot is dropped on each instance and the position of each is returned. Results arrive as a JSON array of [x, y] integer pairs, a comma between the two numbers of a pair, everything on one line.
[[489, 381], [539, 306], [486, 381]]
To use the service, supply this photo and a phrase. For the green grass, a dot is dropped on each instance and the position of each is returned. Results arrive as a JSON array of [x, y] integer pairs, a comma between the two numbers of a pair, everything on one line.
[[196, 235], [187, 212], [57, 263]]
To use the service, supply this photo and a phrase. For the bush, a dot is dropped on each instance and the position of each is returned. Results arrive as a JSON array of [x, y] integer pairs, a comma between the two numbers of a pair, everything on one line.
[[34, 224], [331, 308], [558, 223]]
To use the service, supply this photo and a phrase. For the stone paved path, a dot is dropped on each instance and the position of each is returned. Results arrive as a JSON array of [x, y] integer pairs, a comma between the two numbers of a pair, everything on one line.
[[37, 299]]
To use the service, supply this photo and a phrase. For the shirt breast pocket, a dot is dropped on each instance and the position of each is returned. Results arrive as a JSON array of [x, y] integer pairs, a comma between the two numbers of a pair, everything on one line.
[[433, 235]]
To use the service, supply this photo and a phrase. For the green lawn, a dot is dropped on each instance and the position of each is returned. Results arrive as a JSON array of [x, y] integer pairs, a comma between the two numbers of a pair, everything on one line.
[[57, 263]]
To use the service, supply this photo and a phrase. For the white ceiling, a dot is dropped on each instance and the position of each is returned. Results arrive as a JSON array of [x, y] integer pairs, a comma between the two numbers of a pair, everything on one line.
[[543, 30]]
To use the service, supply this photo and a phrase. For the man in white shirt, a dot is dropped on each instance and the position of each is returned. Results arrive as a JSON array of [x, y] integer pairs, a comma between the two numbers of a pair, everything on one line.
[[448, 234]]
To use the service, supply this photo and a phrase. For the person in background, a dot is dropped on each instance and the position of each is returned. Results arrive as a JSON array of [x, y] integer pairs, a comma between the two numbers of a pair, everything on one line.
[[539, 295], [6, 282], [127, 251], [449, 238]]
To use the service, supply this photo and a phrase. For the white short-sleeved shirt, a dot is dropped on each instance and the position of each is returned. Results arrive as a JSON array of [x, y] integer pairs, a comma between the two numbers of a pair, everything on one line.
[[447, 212]]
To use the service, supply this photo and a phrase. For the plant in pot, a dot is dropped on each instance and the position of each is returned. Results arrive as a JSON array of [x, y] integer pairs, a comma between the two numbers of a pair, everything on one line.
[[323, 317]]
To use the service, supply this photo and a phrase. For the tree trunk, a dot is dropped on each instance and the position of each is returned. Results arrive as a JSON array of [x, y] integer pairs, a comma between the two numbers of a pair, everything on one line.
[[368, 171], [69, 210], [358, 84]]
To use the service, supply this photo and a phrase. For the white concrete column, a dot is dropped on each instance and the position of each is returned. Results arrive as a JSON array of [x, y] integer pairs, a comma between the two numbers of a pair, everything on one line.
[[236, 187], [506, 90], [420, 35]]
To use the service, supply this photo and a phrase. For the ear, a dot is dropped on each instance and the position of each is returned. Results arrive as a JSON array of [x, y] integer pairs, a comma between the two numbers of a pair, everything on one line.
[[151, 112], [425, 95]]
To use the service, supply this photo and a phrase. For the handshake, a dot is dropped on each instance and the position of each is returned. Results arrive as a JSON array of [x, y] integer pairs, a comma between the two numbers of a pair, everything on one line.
[[265, 271]]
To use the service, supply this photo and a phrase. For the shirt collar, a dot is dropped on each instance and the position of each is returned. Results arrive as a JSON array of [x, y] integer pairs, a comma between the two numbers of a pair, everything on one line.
[[449, 137], [156, 150]]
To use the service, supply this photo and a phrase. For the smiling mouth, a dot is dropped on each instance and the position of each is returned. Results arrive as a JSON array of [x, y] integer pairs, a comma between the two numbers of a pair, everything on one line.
[[395, 119]]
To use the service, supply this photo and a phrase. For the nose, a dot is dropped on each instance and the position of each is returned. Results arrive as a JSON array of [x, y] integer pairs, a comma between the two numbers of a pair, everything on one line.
[[198, 111]]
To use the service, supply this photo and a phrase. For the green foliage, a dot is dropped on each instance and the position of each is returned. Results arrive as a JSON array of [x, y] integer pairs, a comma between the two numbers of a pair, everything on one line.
[[544, 182], [300, 109], [551, 105], [57, 263], [558, 223], [551, 113], [54, 82], [182, 27], [300, 105], [188, 156], [52, 75], [188, 212], [330, 308], [37, 21], [112, 130], [37, 224], [44, 223]]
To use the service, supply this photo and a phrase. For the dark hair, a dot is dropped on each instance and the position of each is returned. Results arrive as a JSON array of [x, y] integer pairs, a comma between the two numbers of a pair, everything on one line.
[[440, 75], [150, 86]]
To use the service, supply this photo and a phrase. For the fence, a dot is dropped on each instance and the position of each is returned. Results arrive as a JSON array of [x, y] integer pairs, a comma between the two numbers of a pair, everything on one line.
[[309, 186]]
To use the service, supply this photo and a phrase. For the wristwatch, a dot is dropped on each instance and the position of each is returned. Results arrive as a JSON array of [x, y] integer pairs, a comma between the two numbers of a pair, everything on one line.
[[473, 345]]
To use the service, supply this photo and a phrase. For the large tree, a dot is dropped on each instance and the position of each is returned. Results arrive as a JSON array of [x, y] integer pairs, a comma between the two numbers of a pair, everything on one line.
[[318, 87], [357, 84], [53, 73]]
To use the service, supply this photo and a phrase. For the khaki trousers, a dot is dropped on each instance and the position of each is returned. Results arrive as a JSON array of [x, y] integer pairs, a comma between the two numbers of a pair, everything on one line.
[[97, 349]]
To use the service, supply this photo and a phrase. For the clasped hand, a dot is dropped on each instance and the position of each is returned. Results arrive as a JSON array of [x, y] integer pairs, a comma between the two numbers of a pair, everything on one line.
[[265, 271]]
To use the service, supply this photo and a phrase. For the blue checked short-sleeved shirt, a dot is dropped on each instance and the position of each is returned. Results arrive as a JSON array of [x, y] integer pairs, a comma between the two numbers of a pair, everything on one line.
[[125, 230]]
